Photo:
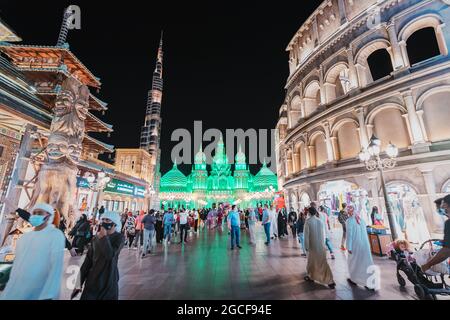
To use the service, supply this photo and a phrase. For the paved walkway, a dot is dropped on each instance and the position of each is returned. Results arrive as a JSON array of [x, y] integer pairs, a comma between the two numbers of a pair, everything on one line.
[[206, 268]]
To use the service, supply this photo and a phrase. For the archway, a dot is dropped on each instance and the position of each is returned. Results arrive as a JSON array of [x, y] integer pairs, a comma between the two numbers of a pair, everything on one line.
[[333, 194], [305, 201], [409, 217], [312, 98]]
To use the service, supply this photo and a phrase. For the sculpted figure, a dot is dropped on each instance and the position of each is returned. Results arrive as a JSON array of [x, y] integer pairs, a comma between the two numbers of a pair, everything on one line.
[[56, 182]]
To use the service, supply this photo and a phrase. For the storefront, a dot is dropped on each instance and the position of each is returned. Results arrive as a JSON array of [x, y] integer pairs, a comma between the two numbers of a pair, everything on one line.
[[120, 195], [409, 216], [334, 194]]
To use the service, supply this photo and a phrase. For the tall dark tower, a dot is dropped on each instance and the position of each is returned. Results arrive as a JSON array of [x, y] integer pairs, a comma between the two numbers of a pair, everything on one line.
[[151, 131]]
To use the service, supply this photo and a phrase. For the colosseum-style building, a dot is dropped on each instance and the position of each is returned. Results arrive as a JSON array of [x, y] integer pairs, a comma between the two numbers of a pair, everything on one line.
[[364, 67]]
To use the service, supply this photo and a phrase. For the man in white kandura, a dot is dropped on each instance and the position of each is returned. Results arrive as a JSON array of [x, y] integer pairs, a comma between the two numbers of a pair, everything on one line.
[[38, 266], [358, 247], [317, 268], [273, 222]]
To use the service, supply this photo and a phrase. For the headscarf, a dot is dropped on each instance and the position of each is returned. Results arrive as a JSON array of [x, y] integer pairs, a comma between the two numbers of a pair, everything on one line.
[[47, 208], [114, 217], [356, 213]]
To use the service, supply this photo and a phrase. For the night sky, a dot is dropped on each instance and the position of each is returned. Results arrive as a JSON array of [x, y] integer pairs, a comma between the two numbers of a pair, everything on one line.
[[224, 62]]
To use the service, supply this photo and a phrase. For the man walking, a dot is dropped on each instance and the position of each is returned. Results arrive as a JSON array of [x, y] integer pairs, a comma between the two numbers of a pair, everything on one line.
[[149, 222], [266, 218], [183, 215], [252, 224], [168, 220], [234, 224]]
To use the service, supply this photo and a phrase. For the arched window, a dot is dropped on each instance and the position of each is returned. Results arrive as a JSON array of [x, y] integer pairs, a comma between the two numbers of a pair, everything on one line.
[[320, 147], [422, 45], [389, 126], [380, 64], [337, 82], [436, 116], [295, 111], [348, 141], [312, 98]]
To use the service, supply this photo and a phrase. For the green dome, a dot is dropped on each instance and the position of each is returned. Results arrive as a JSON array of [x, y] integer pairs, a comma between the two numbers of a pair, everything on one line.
[[265, 178], [174, 179]]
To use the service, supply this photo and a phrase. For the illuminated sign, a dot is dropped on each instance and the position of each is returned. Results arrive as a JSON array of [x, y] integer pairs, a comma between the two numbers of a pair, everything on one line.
[[122, 187], [116, 186]]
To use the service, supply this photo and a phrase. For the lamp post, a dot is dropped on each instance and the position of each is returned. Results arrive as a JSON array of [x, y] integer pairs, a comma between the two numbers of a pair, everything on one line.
[[371, 157], [97, 184]]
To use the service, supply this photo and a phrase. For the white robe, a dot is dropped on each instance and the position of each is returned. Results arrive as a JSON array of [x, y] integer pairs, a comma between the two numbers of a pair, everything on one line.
[[317, 267], [273, 223], [361, 258], [38, 266]]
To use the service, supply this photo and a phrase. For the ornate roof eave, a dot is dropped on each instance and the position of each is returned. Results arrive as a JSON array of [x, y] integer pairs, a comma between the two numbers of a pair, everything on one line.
[[94, 124], [9, 34], [12, 51], [98, 145]]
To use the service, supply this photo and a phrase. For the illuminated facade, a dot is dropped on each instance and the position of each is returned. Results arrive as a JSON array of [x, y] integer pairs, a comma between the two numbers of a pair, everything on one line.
[[221, 184], [338, 97]]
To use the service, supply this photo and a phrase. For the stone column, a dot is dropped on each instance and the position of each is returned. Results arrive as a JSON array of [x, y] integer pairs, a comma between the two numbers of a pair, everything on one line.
[[404, 52], [418, 140], [323, 97], [342, 13], [296, 162], [335, 144], [363, 136], [353, 73], [312, 156], [395, 46], [422, 125], [308, 156], [440, 37], [328, 142], [316, 36]]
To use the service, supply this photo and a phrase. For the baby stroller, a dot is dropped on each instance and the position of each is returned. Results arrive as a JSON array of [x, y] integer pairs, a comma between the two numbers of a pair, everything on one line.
[[424, 286]]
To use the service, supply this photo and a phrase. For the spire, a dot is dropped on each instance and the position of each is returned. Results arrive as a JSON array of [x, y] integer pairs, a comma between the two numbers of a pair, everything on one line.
[[64, 28]]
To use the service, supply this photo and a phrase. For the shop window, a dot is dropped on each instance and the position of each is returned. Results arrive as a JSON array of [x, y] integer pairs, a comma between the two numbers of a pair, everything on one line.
[[380, 64], [422, 45]]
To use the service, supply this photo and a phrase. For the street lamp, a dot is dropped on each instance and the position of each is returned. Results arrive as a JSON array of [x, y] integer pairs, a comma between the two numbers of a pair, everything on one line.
[[97, 184], [371, 157]]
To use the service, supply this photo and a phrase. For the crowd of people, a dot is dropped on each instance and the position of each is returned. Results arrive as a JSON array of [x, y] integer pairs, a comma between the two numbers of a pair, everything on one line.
[[39, 256]]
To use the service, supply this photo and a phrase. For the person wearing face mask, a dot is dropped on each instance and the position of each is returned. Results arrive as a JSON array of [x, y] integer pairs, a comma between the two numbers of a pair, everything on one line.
[[99, 272], [39, 258], [444, 253]]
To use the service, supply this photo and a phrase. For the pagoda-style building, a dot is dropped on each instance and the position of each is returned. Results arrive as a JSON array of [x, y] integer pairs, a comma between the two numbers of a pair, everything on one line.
[[31, 77], [202, 188]]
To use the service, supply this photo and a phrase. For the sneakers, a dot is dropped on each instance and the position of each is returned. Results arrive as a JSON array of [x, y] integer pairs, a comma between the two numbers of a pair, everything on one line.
[[351, 282], [303, 254], [332, 285], [239, 247], [143, 256], [343, 248], [333, 257], [266, 243]]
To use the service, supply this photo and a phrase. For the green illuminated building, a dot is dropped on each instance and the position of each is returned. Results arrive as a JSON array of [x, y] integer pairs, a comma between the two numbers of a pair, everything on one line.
[[202, 188]]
